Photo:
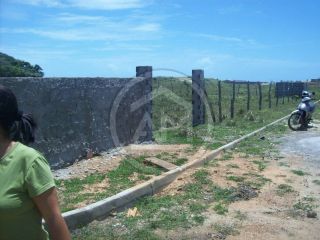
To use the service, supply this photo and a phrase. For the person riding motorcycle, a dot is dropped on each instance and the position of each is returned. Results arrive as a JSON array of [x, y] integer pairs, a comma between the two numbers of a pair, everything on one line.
[[306, 105]]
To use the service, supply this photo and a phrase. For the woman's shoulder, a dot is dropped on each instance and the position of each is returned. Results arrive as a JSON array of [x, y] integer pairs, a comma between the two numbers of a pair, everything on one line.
[[22, 157], [26, 153]]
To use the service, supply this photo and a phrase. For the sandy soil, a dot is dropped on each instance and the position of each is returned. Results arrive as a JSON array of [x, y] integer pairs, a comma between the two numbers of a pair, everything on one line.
[[267, 216], [273, 217]]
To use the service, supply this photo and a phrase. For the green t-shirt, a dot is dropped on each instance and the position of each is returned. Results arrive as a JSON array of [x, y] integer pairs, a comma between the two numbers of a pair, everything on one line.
[[24, 173]]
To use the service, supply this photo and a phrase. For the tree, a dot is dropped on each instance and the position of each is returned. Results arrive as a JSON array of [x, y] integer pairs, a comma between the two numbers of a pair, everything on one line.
[[11, 67]]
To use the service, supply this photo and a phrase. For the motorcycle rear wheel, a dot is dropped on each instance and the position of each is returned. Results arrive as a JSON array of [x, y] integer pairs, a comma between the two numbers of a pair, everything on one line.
[[295, 121]]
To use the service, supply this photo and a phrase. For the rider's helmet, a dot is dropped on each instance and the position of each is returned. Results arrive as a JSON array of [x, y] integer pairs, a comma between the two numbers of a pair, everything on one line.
[[305, 94], [305, 99]]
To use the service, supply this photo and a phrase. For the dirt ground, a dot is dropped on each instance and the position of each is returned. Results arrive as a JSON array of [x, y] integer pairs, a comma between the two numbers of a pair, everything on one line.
[[107, 161], [270, 216], [267, 216]]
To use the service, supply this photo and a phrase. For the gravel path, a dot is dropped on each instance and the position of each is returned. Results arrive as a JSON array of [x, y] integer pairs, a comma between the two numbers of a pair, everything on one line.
[[304, 144]]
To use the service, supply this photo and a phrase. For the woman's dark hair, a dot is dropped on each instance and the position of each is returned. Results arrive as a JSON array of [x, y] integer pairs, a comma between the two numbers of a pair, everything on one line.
[[17, 125]]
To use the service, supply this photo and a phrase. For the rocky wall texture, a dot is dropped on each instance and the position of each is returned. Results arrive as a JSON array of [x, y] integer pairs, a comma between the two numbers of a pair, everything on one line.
[[80, 116]]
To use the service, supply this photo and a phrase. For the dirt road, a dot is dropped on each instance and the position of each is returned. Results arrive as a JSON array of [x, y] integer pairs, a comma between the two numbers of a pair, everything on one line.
[[306, 145], [293, 214]]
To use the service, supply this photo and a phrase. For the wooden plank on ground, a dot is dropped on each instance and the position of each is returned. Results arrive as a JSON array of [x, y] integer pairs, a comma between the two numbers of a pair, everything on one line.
[[160, 163]]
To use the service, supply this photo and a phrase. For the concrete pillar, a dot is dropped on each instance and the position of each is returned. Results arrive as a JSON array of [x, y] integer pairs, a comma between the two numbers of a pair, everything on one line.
[[198, 106], [146, 73]]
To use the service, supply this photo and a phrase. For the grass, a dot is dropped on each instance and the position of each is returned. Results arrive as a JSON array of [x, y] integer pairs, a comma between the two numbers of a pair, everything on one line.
[[225, 229], [283, 189], [220, 208], [186, 209], [256, 181], [256, 147], [71, 190], [235, 178], [308, 199], [171, 211], [240, 215], [284, 164], [168, 112], [304, 206], [232, 165], [261, 165], [226, 156], [299, 172], [112, 232], [180, 161], [316, 181]]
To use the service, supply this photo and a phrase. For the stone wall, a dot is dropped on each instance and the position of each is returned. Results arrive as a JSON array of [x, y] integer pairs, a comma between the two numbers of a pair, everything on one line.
[[80, 115]]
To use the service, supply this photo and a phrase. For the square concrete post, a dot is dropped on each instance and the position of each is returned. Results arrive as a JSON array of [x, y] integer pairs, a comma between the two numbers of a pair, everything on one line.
[[198, 96], [146, 73]]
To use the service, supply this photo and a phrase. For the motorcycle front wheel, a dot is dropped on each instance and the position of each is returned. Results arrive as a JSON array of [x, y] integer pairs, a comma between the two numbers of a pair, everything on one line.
[[295, 121]]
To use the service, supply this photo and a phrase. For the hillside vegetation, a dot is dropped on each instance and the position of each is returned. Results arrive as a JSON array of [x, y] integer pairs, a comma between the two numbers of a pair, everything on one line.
[[11, 67]]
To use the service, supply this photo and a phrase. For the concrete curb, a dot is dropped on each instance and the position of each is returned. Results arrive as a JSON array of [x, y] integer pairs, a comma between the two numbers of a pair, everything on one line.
[[83, 216]]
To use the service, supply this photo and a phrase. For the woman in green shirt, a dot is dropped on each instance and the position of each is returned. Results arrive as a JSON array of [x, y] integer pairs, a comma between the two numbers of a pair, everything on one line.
[[27, 190]]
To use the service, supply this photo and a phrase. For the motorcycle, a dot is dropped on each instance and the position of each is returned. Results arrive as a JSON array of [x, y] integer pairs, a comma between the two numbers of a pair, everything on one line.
[[301, 117]]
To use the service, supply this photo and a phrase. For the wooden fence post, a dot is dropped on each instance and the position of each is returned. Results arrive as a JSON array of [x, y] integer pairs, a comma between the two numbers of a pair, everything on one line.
[[219, 101], [276, 93], [146, 73], [260, 96], [198, 106], [233, 99], [269, 94], [283, 92], [248, 98]]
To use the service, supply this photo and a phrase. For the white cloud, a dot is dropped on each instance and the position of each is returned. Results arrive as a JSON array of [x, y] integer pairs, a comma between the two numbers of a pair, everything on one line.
[[90, 4], [220, 38], [47, 3], [107, 4], [147, 27], [85, 34], [241, 42], [127, 47], [88, 33], [75, 19], [75, 27]]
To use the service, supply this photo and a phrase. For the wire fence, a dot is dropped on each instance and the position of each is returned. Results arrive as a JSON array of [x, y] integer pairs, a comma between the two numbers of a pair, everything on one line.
[[172, 101]]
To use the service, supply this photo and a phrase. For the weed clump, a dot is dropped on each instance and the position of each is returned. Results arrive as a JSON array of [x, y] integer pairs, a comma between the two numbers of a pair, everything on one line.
[[299, 172], [284, 189]]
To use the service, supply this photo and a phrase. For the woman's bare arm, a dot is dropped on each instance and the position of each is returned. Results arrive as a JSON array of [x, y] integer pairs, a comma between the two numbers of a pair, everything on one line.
[[47, 203]]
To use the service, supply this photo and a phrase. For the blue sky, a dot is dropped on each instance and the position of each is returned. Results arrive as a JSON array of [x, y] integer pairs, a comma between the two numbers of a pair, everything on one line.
[[266, 40]]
